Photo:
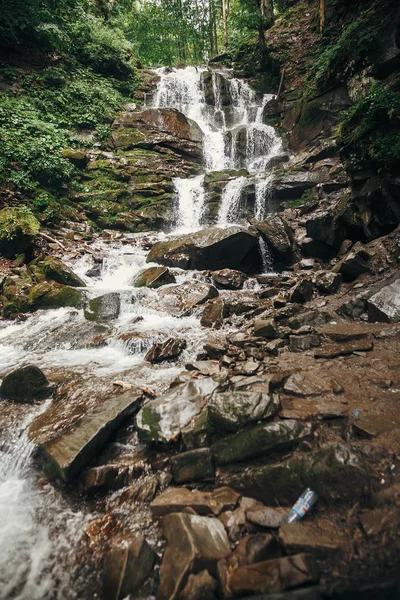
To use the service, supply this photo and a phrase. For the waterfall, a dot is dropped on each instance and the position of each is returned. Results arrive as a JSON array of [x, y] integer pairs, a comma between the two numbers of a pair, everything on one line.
[[245, 143]]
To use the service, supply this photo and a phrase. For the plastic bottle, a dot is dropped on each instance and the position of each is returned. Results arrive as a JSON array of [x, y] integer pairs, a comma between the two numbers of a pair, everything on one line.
[[302, 506]]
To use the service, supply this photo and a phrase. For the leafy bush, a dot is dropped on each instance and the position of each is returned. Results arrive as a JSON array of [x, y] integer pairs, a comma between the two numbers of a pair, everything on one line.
[[369, 133], [16, 221]]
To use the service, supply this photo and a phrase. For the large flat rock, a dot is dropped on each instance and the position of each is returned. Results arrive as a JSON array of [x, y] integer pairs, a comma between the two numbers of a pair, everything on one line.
[[233, 247], [385, 305], [68, 453]]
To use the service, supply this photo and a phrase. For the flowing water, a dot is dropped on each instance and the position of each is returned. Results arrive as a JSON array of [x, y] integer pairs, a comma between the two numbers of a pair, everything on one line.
[[40, 528]]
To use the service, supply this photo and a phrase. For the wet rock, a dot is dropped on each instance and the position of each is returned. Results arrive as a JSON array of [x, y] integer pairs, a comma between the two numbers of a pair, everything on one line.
[[313, 318], [186, 296], [302, 291], [301, 343], [214, 314], [66, 454], [229, 279], [343, 349], [193, 544], [328, 282], [200, 587], [103, 308], [125, 569], [266, 516], [175, 500], [278, 235], [163, 419], [25, 384], [265, 328], [319, 536], [294, 184], [154, 278], [214, 350], [354, 263], [233, 247], [168, 350], [378, 520], [274, 576], [57, 271], [194, 465], [230, 411], [105, 477], [336, 473], [384, 306], [256, 441]]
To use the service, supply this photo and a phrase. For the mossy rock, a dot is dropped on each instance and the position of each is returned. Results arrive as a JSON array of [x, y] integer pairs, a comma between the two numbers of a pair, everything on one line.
[[57, 271], [77, 157], [19, 229], [53, 295], [25, 385], [103, 308], [154, 278]]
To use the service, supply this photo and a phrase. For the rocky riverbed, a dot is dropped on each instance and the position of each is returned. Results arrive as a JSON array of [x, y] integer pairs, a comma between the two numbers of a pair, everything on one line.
[[168, 396]]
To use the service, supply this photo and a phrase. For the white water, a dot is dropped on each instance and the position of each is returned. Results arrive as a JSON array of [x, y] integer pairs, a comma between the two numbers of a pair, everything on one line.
[[245, 143]]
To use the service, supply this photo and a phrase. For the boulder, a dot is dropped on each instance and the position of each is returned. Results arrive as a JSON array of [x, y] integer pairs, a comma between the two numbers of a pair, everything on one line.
[[214, 314], [200, 587], [57, 271], [384, 306], [185, 297], [307, 384], [193, 465], [126, 568], [66, 454], [273, 576], [19, 229], [103, 308], [229, 279], [232, 247], [256, 441], [302, 292], [327, 282], [163, 419], [158, 128], [278, 236], [354, 263], [301, 343], [265, 328], [230, 411], [174, 500], [168, 350], [25, 384], [193, 544], [154, 278], [319, 536], [336, 473], [265, 516], [77, 157], [293, 184], [344, 348]]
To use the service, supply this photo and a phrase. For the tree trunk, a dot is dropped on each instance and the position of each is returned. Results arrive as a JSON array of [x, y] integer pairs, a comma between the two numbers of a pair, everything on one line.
[[322, 10], [225, 23]]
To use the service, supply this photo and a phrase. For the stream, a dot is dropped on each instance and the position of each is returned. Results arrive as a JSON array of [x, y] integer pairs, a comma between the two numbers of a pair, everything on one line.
[[40, 526]]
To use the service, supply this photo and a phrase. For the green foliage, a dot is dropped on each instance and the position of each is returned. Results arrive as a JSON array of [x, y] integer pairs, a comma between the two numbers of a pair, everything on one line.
[[369, 133], [36, 123], [16, 221]]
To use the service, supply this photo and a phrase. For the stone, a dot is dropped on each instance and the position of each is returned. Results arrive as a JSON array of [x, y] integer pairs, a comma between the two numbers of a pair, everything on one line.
[[19, 229], [214, 314], [103, 308], [163, 419], [231, 411], [328, 282], [125, 569], [317, 536], [232, 247], [378, 520], [302, 291], [168, 350], [77, 157], [354, 263], [372, 425], [57, 271], [186, 297], [256, 441], [265, 328], [278, 236], [327, 407], [154, 277], [229, 279], [273, 576], [307, 384], [346, 332], [313, 318], [193, 544], [25, 384], [214, 350], [384, 306], [301, 343], [66, 454], [266, 516], [343, 349], [200, 587], [336, 473], [174, 500], [193, 465]]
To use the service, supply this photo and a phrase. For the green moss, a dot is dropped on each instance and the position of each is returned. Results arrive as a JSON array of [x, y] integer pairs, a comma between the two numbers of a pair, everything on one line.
[[18, 230]]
